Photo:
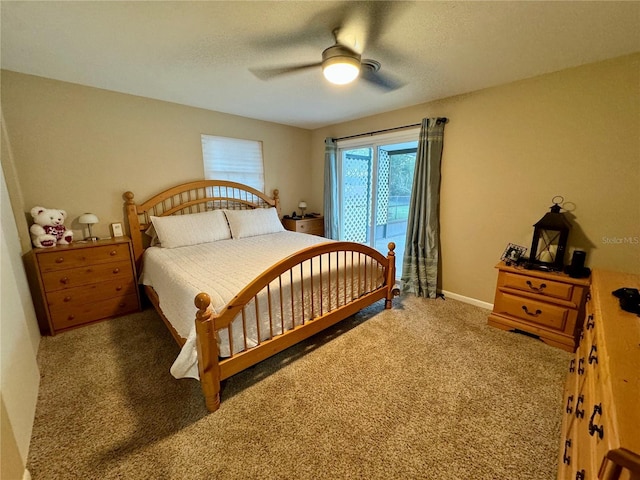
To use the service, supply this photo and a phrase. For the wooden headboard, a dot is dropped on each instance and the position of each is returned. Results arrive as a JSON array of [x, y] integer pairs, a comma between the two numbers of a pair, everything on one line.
[[192, 197]]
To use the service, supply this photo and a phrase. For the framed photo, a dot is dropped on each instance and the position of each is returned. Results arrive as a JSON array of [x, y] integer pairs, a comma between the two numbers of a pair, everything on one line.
[[513, 253], [116, 230]]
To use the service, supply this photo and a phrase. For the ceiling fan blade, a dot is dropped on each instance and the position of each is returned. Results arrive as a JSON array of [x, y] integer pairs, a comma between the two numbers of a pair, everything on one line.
[[379, 79], [269, 73]]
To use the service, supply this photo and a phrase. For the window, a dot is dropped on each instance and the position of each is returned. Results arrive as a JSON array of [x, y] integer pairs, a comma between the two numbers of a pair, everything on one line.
[[375, 182], [233, 159]]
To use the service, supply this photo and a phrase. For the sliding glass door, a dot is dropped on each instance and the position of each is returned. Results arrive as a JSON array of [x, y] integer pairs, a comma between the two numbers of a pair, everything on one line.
[[376, 175]]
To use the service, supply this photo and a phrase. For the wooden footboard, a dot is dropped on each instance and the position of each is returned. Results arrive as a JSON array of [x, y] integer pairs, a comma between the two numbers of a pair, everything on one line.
[[293, 300], [348, 277]]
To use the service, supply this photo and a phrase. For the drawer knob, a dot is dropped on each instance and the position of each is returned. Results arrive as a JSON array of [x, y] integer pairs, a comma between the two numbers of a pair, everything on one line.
[[64, 280], [59, 259], [67, 299], [116, 270], [118, 288], [113, 253], [566, 459], [532, 314], [122, 304], [593, 428], [536, 289], [579, 413], [71, 317]]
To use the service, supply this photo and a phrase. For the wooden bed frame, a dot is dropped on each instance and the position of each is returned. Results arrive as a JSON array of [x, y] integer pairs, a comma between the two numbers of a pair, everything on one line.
[[207, 195]]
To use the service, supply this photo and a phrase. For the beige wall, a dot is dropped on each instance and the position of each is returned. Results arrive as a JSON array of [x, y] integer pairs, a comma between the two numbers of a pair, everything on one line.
[[79, 148], [509, 150]]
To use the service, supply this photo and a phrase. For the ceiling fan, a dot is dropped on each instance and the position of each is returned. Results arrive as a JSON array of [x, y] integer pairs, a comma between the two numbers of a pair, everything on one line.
[[342, 62]]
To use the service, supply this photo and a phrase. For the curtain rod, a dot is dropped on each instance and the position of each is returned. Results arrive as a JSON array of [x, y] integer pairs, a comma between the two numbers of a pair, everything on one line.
[[439, 120]]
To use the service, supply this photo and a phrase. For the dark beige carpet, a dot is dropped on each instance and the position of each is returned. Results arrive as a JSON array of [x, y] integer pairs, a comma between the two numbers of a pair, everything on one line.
[[424, 391]]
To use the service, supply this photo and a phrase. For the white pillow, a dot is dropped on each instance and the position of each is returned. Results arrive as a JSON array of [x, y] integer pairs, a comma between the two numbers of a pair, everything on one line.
[[249, 223], [192, 229]]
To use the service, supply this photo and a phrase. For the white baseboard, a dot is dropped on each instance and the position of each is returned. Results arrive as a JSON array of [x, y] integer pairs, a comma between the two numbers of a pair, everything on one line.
[[469, 300]]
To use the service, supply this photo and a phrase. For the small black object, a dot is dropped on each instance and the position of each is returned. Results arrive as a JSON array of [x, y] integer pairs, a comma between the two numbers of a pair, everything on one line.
[[629, 299], [577, 268]]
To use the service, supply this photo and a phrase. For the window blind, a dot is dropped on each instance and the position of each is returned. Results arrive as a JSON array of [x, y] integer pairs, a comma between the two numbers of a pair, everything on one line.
[[233, 159]]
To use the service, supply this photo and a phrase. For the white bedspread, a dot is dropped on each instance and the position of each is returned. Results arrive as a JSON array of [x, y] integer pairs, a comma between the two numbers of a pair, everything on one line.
[[221, 269]]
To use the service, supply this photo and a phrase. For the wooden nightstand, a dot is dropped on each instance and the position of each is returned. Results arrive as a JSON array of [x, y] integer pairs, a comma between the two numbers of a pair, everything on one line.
[[77, 284], [547, 305], [312, 226]]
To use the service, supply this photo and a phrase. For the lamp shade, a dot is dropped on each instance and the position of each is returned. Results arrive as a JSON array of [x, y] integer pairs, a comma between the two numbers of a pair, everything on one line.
[[340, 65], [302, 205], [88, 218]]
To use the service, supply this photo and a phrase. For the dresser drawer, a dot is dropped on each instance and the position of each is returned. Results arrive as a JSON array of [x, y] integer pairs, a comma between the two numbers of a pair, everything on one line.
[[75, 277], [79, 314], [539, 286], [533, 311], [312, 227], [55, 261], [70, 297]]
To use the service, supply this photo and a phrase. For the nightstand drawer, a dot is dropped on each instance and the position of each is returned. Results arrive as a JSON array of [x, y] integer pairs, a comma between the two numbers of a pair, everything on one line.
[[88, 312], [55, 261], [540, 286], [76, 277], [312, 227], [69, 298], [541, 313]]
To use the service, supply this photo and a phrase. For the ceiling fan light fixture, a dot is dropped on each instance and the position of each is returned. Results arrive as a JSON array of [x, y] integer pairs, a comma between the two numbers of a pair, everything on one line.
[[340, 65]]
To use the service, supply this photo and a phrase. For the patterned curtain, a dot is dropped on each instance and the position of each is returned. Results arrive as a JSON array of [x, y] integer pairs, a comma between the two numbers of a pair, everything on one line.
[[420, 261], [331, 214]]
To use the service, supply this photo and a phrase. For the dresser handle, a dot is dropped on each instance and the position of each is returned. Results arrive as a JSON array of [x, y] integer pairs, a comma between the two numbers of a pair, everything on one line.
[[67, 299], [597, 410], [536, 289], [580, 475], [579, 413], [118, 288], [64, 280], [572, 365], [71, 317], [566, 458], [569, 409], [535, 314], [581, 366], [113, 252], [122, 304], [59, 259], [593, 358], [590, 322], [116, 270]]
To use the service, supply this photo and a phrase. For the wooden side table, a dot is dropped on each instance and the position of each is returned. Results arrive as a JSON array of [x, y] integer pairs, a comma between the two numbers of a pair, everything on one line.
[[77, 284], [547, 305], [310, 225]]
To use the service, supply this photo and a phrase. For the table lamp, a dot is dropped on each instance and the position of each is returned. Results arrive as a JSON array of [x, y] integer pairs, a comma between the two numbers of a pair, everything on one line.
[[89, 219], [302, 206]]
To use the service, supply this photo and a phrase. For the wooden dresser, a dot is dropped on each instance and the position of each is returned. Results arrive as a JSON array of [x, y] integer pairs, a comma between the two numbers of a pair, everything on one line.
[[547, 305], [312, 226], [76, 284], [601, 411]]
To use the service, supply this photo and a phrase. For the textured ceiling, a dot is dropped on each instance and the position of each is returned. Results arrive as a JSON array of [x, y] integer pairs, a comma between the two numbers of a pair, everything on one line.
[[199, 53]]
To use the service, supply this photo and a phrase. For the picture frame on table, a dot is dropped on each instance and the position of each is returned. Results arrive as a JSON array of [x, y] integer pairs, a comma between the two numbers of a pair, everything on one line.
[[116, 230], [513, 253]]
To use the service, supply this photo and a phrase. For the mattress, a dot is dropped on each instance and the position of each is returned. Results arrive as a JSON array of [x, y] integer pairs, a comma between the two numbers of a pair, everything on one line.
[[222, 269]]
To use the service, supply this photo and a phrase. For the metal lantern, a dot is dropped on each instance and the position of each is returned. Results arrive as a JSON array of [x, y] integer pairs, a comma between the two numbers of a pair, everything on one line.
[[550, 237]]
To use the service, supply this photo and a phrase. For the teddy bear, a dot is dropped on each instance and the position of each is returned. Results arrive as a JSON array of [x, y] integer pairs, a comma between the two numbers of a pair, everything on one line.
[[48, 227]]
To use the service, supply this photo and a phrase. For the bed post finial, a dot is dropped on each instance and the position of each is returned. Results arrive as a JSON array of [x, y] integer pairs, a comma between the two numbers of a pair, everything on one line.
[[128, 196], [276, 199], [207, 345], [392, 289]]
